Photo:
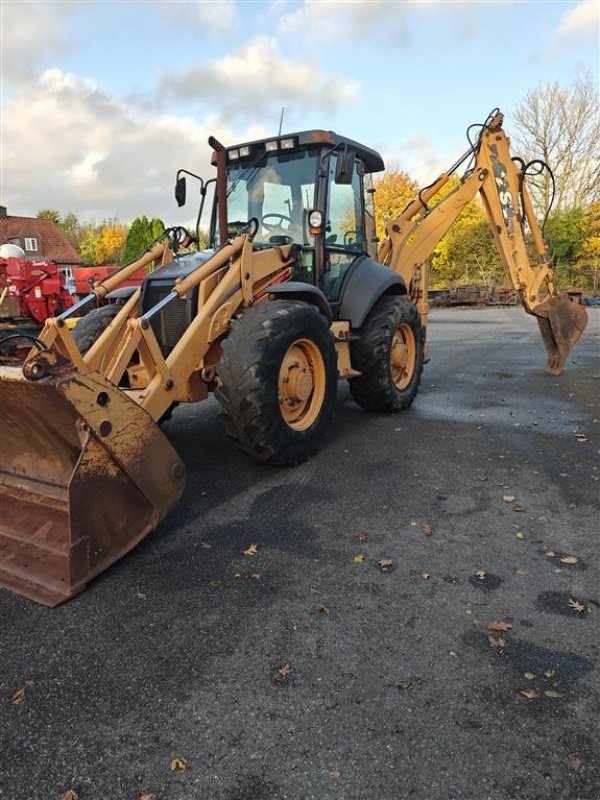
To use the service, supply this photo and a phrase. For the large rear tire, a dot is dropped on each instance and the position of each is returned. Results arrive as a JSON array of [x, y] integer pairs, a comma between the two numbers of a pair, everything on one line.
[[278, 381], [93, 325], [389, 355]]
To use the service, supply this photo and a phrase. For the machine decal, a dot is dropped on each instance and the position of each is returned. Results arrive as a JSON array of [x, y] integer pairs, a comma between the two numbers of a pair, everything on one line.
[[504, 193]]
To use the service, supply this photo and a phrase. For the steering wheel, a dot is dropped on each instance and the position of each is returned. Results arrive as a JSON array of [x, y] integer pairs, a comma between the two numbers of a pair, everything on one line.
[[273, 226]]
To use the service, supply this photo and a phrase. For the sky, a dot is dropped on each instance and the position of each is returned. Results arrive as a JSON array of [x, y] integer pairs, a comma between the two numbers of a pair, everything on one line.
[[103, 100]]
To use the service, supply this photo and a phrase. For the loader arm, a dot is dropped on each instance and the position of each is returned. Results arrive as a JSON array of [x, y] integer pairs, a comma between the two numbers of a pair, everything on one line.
[[501, 181], [85, 472]]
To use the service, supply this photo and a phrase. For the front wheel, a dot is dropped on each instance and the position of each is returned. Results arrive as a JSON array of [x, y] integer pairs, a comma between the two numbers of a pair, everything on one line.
[[389, 356], [278, 381], [89, 328]]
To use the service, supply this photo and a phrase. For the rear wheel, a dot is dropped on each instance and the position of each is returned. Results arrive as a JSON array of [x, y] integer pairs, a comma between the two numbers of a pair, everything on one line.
[[93, 325], [389, 355], [278, 381]]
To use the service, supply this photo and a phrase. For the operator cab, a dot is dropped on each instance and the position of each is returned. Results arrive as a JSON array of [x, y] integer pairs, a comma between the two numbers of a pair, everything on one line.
[[312, 189]]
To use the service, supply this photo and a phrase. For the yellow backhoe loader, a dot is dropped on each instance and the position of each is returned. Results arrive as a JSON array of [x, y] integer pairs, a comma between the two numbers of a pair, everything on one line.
[[292, 295]]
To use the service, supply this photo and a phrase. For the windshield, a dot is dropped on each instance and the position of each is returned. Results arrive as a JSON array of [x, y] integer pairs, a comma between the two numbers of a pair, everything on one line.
[[278, 190]]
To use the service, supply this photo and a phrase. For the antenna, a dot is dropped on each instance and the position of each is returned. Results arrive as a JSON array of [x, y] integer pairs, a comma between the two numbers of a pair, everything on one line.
[[281, 120]]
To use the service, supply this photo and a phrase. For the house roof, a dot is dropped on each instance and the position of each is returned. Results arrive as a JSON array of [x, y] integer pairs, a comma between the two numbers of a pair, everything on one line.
[[52, 243]]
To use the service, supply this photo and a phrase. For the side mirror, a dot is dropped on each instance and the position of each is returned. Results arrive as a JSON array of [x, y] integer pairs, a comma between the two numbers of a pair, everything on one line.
[[344, 169], [180, 191]]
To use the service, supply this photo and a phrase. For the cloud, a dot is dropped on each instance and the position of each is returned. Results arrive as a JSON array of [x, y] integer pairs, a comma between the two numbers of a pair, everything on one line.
[[582, 20], [31, 31], [331, 20], [419, 157], [256, 79], [215, 18], [71, 146]]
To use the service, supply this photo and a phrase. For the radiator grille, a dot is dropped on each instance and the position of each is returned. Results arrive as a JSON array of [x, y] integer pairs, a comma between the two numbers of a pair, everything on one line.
[[170, 324]]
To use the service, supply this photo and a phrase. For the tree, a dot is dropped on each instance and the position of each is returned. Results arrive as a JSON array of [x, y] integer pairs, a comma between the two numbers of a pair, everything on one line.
[[142, 234], [71, 228], [468, 252], [112, 242], [51, 214], [561, 125], [589, 253], [393, 191]]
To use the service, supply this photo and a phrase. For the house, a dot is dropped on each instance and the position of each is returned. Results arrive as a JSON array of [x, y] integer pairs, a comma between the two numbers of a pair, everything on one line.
[[41, 239]]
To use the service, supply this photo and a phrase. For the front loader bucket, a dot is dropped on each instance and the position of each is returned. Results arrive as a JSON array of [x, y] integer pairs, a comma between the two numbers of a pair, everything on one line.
[[85, 474], [561, 321]]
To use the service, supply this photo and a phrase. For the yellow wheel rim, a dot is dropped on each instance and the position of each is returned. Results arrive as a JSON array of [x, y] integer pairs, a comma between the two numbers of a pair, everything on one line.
[[403, 356], [301, 384]]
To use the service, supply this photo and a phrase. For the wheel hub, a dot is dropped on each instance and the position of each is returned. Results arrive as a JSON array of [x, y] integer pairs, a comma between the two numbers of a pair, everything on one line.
[[301, 384], [403, 355]]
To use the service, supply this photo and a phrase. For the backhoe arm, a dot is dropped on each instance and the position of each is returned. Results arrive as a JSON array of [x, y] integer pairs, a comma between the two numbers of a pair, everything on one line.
[[501, 182]]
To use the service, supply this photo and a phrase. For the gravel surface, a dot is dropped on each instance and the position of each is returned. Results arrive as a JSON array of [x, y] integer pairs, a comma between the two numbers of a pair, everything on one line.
[[350, 657]]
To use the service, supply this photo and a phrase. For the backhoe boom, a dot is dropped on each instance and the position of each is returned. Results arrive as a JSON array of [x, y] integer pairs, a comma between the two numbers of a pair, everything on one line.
[[501, 181]]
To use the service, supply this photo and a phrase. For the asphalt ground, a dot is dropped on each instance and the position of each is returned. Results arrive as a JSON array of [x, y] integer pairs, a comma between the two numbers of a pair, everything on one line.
[[350, 657]]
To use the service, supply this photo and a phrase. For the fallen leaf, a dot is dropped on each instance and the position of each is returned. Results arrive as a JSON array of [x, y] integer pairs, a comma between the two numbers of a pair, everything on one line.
[[363, 537], [581, 437], [552, 693], [179, 764], [550, 553], [385, 563], [205, 546], [519, 572], [529, 676], [313, 590], [529, 694], [18, 697], [237, 574], [498, 626], [146, 797], [569, 560], [508, 498], [550, 673], [427, 529], [282, 673], [517, 507], [213, 584], [480, 574], [251, 550], [577, 606], [520, 535], [255, 576], [496, 641], [321, 609], [453, 653], [426, 575], [70, 794], [335, 774], [404, 685], [573, 763], [358, 558]]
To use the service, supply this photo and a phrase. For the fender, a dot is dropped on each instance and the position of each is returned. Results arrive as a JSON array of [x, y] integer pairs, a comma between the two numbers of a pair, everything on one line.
[[365, 283], [298, 290]]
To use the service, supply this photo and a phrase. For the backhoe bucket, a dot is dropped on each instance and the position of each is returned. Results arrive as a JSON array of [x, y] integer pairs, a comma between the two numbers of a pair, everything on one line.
[[85, 474], [561, 322]]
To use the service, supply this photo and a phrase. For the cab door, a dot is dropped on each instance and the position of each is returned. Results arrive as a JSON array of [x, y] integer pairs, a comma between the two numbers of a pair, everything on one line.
[[344, 238]]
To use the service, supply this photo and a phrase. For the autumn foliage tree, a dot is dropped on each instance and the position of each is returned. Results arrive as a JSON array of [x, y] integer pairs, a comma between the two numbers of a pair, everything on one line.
[[393, 191]]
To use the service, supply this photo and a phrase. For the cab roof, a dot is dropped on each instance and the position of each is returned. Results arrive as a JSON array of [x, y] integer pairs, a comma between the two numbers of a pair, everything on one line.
[[304, 139]]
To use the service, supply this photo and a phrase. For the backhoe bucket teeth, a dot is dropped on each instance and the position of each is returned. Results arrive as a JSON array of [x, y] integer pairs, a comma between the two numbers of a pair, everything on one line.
[[561, 322], [85, 474]]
